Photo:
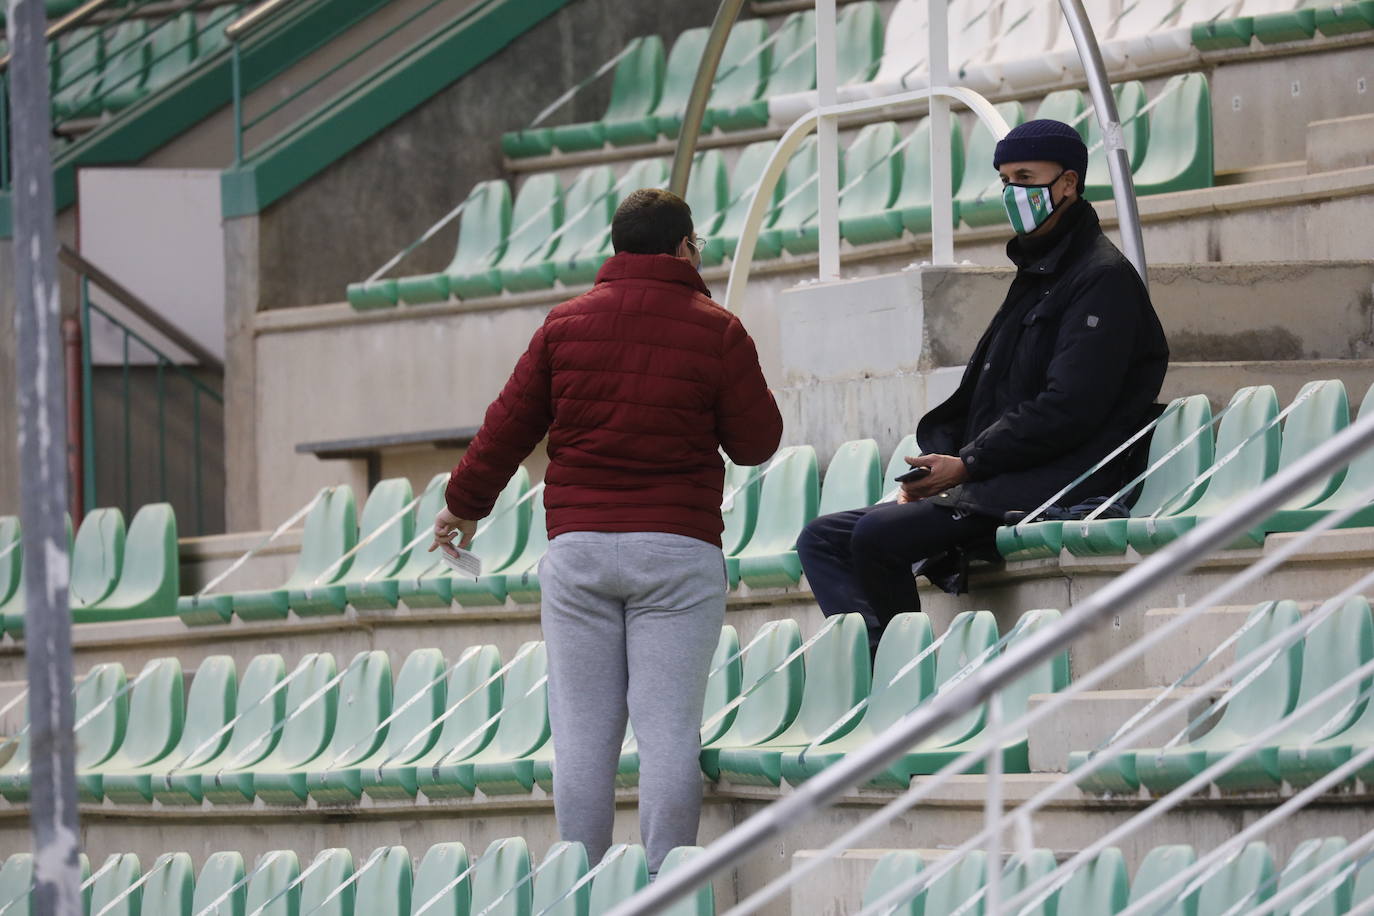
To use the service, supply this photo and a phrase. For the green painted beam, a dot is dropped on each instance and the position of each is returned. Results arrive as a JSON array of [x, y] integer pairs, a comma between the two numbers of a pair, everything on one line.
[[402, 85]]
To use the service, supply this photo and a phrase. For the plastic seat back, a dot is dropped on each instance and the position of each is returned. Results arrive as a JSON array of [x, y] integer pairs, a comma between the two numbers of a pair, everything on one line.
[[323, 892], [1245, 882], [1309, 855], [1065, 105], [1048, 677], [483, 227], [210, 36], [893, 870], [739, 506], [218, 884], [748, 170], [972, 634], [851, 480], [11, 557], [151, 569], [904, 639], [478, 697], [1251, 409], [420, 676], [331, 530], [971, 35], [1158, 866], [722, 686], [254, 735], [110, 893], [680, 72], [1324, 413], [648, 173], [495, 877], [209, 705], [897, 466], [625, 870], [950, 893], [1024, 870], [156, 712], [915, 190], [702, 901], [858, 43], [524, 723], [102, 688], [97, 556], [1271, 694], [436, 892], [272, 891], [527, 561], [81, 57], [1181, 419], [874, 172], [587, 210], [171, 49], [564, 865], [308, 728], [789, 499], [382, 555], [638, 80], [708, 191], [126, 64], [798, 208], [1100, 887], [772, 705], [1180, 153], [384, 889], [16, 884], [1332, 650], [905, 42], [838, 675], [536, 217], [365, 700], [981, 188], [793, 65], [743, 69]]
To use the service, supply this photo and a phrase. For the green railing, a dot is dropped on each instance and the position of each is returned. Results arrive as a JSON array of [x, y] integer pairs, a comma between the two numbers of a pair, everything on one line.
[[178, 397]]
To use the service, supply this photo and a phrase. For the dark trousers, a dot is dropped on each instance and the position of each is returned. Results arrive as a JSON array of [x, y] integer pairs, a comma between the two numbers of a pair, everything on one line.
[[860, 561]]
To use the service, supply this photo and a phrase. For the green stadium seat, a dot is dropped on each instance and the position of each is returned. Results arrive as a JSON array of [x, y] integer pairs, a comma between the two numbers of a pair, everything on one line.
[[795, 229], [906, 637], [635, 90], [1311, 756], [1344, 18], [579, 264], [97, 558], [679, 74], [289, 742], [382, 555], [210, 37], [1332, 650], [893, 869], [522, 573], [80, 59], [11, 559], [624, 872], [739, 507], [791, 67], [852, 479], [1316, 900], [740, 78], [381, 591], [772, 700], [897, 466], [1135, 134], [1158, 866], [702, 901], [1244, 882], [219, 880], [1065, 105], [527, 142], [273, 890], [874, 173], [564, 865], [126, 65], [1359, 477], [155, 718], [385, 888], [1250, 410], [913, 200], [420, 684], [330, 531], [435, 892], [110, 892], [789, 499], [538, 214], [498, 880], [748, 171], [170, 888], [196, 757], [329, 871], [1021, 871], [946, 895], [499, 545], [1179, 157], [500, 768], [376, 294], [1107, 537], [858, 43], [589, 204], [366, 691], [150, 572], [979, 195], [482, 230], [209, 705], [708, 192], [16, 884], [838, 676], [1100, 887], [1298, 22], [171, 50], [469, 687], [1260, 704]]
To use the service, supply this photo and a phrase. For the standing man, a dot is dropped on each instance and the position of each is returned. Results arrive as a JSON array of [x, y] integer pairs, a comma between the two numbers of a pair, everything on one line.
[[1066, 371], [638, 384]]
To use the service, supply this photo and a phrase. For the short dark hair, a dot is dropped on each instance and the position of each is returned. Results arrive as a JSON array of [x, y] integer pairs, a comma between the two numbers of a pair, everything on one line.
[[651, 221]]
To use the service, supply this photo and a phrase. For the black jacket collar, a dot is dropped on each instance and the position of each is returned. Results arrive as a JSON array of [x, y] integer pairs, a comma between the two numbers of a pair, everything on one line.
[[1076, 230]]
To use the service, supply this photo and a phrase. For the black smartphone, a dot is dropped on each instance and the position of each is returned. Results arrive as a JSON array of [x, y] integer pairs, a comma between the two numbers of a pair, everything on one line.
[[913, 474]]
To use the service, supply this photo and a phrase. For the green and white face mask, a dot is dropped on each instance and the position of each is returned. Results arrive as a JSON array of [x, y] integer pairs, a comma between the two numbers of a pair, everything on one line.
[[1029, 205]]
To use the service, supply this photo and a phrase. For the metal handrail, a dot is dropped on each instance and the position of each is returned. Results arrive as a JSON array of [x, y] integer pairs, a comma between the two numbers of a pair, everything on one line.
[[252, 18], [695, 112], [1037, 648], [68, 22]]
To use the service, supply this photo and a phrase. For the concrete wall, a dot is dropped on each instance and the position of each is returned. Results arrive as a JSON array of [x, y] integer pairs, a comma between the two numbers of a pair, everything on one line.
[[9, 383]]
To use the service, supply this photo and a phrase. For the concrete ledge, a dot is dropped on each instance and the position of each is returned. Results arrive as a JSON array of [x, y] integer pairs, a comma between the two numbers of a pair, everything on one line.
[[1094, 716]]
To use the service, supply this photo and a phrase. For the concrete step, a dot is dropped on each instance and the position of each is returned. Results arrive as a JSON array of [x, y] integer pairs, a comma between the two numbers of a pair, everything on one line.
[[1091, 718], [1340, 143]]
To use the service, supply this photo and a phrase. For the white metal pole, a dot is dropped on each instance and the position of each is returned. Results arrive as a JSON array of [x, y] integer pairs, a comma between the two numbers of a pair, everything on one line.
[[941, 174], [828, 142], [993, 810]]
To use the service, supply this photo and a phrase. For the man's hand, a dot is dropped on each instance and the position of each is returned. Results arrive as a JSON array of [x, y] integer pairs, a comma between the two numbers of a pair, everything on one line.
[[446, 525], [945, 471]]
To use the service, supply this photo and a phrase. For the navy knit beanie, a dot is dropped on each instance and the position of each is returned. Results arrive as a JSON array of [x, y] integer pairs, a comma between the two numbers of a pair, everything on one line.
[[1044, 140]]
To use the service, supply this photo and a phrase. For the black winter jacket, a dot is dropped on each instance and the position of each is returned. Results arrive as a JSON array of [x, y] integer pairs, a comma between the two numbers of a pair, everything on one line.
[[1068, 369]]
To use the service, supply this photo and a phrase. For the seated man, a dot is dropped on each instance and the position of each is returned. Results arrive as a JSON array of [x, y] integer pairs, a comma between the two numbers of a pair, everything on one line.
[[1066, 371]]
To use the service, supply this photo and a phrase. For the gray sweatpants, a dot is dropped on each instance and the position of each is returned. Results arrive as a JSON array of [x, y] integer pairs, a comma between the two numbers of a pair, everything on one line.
[[631, 622]]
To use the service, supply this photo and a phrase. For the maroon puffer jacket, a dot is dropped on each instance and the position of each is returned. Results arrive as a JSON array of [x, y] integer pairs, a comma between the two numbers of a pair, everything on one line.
[[637, 382]]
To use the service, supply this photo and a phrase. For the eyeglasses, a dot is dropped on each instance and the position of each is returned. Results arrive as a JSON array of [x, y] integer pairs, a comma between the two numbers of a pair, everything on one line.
[[696, 243]]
